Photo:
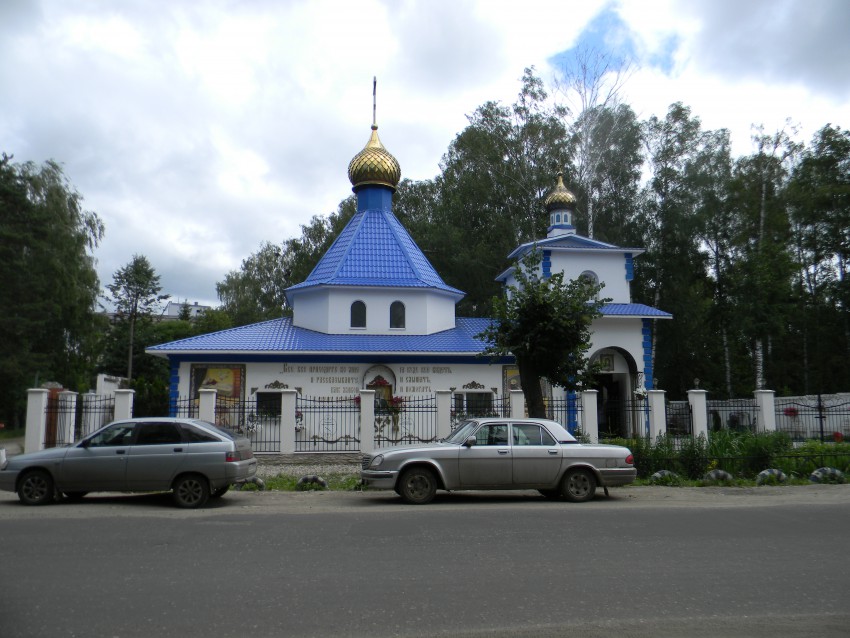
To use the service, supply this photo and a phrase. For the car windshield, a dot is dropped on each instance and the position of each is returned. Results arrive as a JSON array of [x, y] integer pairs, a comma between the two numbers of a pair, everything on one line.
[[463, 432]]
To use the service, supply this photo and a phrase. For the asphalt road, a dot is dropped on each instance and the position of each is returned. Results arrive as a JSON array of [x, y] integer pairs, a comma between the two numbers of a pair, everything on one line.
[[645, 562]]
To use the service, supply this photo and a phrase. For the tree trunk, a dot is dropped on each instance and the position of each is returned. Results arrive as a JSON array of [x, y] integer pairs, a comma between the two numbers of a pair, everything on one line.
[[727, 363], [130, 353], [759, 364], [530, 380]]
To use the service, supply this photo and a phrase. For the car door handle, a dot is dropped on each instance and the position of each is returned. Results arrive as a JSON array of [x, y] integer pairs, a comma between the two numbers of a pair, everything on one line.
[[503, 451], [178, 449], [553, 452], [120, 451]]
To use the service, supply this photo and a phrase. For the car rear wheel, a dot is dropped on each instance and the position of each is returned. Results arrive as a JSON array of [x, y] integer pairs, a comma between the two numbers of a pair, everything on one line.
[[579, 485], [191, 491], [36, 488], [220, 492], [418, 486]]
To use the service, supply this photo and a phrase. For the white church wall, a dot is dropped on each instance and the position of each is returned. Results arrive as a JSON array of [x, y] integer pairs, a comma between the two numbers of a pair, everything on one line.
[[311, 311], [618, 332], [320, 379], [329, 311], [609, 268]]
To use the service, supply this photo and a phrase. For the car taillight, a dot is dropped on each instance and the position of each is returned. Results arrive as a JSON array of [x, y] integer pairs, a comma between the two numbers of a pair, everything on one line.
[[630, 459], [233, 456]]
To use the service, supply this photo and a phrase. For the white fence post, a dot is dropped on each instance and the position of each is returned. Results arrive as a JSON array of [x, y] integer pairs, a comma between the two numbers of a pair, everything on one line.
[[699, 412], [124, 404], [589, 415], [657, 414], [767, 410], [288, 420], [367, 421], [90, 416], [444, 413], [517, 404], [36, 419], [206, 404], [67, 416]]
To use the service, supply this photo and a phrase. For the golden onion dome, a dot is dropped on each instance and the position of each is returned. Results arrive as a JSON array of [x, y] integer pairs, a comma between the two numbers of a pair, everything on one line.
[[374, 165], [560, 197]]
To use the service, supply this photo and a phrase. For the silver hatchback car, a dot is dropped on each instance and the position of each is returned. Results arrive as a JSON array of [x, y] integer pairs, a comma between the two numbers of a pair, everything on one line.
[[194, 459], [501, 454]]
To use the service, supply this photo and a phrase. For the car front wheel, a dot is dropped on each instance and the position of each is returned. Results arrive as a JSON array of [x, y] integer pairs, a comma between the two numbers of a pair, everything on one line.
[[191, 491], [579, 485], [418, 486], [36, 488]]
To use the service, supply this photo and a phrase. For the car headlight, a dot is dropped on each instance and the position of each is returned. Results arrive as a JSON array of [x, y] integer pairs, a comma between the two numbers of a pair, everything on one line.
[[377, 460]]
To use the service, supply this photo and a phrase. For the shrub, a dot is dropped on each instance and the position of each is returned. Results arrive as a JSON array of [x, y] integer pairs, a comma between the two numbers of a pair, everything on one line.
[[693, 456]]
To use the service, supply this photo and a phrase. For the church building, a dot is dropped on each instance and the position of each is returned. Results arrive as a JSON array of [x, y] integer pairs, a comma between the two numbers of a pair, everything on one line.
[[375, 314]]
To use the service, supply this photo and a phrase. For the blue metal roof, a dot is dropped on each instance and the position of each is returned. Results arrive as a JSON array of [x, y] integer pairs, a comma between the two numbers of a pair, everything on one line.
[[570, 242], [375, 250], [633, 310], [279, 335]]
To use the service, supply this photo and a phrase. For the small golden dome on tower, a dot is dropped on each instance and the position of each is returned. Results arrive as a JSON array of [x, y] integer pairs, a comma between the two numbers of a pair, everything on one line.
[[374, 165], [560, 197]]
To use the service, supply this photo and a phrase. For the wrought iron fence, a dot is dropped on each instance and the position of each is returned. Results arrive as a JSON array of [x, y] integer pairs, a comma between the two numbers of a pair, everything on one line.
[[327, 424], [484, 405], [679, 421], [184, 408], [70, 417], [814, 418], [261, 424], [414, 421], [627, 419], [93, 412], [738, 415], [567, 411]]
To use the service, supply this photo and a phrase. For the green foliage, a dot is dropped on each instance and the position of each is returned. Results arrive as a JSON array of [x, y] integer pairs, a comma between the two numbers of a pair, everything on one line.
[[151, 396], [742, 454], [48, 330], [135, 292], [545, 323], [256, 292], [288, 482]]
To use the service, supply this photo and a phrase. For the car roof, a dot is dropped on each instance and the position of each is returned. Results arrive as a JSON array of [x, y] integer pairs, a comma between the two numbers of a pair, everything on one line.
[[555, 429]]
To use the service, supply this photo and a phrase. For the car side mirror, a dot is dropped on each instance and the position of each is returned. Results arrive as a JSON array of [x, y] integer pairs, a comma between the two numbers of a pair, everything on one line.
[[470, 441], [85, 444]]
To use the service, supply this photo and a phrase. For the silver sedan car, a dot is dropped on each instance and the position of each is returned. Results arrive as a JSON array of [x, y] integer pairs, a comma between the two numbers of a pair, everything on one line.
[[501, 454], [194, 459]]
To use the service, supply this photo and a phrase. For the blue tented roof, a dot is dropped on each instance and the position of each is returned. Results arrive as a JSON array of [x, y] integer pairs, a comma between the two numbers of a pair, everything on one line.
[[375, 250]]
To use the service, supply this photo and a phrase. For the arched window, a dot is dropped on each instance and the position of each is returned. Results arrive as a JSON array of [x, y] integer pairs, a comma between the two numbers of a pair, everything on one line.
[[358, 314], [592, 277], [397, 315]]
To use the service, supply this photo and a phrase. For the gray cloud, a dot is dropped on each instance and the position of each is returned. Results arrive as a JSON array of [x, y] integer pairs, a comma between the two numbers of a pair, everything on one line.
[[800, 41]]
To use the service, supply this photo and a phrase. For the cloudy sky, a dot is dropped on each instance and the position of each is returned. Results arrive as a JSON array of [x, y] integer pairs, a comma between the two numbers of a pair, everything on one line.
[[198, 129]]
